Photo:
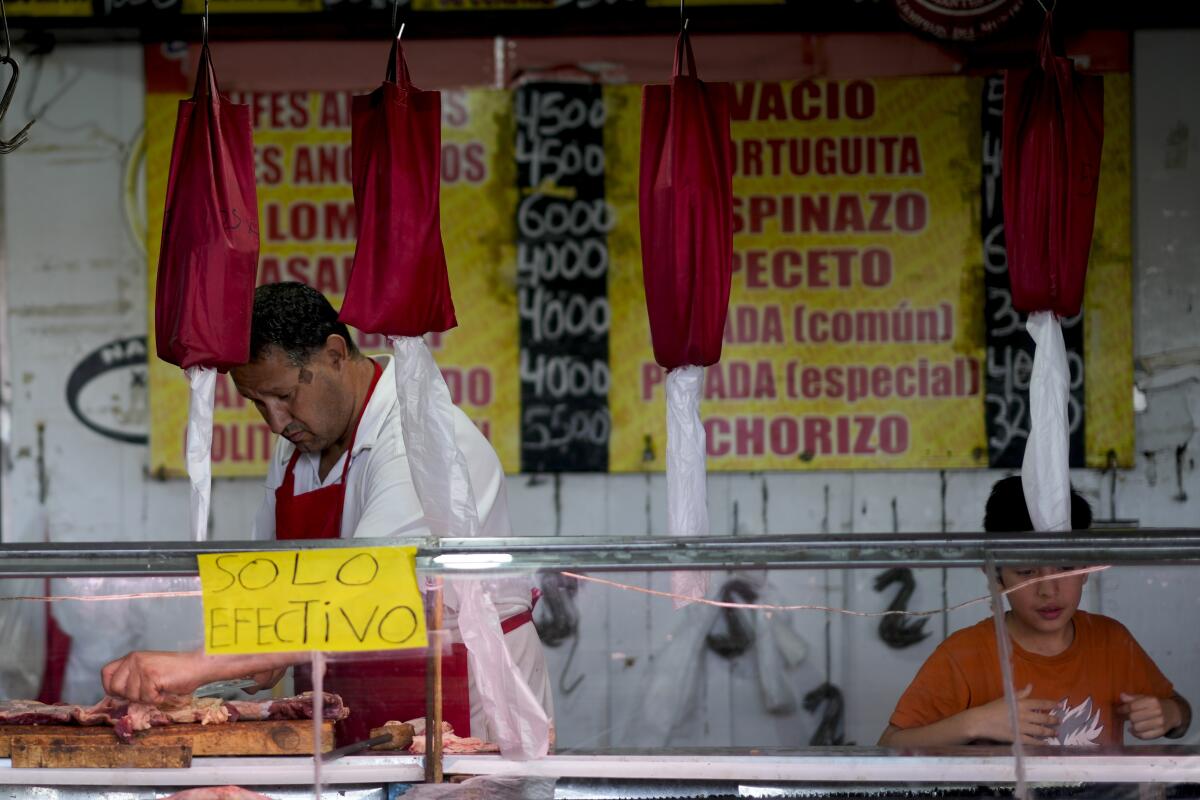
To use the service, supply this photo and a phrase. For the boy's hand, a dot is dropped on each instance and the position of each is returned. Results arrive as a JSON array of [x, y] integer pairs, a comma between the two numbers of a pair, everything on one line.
[[1036, 722], [1149, 717]]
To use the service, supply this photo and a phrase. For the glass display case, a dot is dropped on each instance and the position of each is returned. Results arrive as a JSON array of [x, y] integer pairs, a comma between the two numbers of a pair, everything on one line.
[[808, 652]]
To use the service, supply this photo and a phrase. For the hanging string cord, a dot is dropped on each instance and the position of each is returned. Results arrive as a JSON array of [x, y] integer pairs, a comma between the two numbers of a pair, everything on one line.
[[629, 588], [813, 607], [99, 598]]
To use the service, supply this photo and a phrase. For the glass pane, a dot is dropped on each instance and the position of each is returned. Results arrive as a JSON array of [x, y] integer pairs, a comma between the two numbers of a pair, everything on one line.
[[794, 685]]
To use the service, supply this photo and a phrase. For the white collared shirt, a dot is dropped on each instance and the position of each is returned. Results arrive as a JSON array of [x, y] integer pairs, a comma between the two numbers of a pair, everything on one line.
[[380, 497]]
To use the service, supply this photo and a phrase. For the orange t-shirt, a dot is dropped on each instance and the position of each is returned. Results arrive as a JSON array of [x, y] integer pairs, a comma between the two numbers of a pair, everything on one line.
[[1086, 679]]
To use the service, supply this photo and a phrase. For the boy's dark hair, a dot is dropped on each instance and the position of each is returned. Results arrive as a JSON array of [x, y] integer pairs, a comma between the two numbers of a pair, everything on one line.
[[295, 318], [1006, 511]]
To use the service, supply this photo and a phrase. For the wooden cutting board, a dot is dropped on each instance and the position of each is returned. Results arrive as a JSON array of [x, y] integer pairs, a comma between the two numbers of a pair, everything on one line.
[[401, 733], [72, 752], [270, 738]]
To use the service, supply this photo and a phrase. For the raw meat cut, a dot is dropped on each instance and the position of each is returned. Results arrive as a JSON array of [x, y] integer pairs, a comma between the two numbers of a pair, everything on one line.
[[31, 712], [127, 718], [217, 793], [299, 707], [450, 743]]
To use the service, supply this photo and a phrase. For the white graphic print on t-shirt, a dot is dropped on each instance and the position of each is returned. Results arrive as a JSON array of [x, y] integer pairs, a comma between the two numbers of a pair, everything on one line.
[[1078, 725]]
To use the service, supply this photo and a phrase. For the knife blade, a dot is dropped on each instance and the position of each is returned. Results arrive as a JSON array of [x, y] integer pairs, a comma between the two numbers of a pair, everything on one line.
[[219, 688]]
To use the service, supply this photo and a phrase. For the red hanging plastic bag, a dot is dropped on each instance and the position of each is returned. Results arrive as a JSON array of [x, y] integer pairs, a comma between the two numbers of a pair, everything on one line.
[[208, 260], [1053, 134], [686, 205], [686, 208], [398, 285]]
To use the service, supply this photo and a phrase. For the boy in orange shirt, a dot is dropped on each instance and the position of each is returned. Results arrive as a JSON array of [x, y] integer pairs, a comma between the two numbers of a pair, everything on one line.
[[1083, 675]]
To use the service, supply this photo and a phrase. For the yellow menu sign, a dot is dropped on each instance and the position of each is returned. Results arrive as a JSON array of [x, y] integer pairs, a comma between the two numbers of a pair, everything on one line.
[[49, 8], [338, 600], [253, 6]]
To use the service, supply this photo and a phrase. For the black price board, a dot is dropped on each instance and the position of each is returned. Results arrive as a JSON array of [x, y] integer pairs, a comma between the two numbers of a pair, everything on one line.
[[562, 226]]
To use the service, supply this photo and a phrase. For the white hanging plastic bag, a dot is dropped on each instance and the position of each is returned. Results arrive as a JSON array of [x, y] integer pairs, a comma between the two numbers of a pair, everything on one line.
[[443, 484], [23, 631], [671, 680], [687, 495], [779, 650], [439, 469], [100, 630], [1045, 473], [203, 382], [516, 719]]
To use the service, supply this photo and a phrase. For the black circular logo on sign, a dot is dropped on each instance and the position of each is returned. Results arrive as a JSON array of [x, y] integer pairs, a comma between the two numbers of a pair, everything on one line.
[[107, 391], [958, 20]]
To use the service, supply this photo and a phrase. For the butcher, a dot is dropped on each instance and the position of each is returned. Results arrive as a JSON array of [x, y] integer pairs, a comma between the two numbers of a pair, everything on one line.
[[340, 471]]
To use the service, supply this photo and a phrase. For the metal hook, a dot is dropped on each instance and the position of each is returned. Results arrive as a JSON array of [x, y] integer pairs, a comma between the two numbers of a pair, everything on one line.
[[22, 136], [682, 19], [395, 14], [7, 41], [563, 686], [1050, 10], [204, 26]]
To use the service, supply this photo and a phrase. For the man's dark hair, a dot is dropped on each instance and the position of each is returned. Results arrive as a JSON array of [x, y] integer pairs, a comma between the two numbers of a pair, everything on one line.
[[1006, 511], [295, 318]]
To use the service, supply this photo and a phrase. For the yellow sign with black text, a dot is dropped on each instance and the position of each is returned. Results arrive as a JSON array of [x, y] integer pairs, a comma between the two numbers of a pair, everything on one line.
[[856, 331], [857, 334], [307, 234], [253, 6], [49, 8], [334, 600]]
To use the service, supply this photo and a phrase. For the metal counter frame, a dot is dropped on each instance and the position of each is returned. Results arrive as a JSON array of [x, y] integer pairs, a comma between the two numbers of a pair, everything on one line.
[[608, 554], [851, 765], [845, 767]]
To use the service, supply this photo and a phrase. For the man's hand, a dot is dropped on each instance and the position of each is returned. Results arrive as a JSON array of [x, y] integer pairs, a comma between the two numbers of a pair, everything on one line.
[[151, 676], [1035, 719], [266, 679], [156, 676], [1149, 717]]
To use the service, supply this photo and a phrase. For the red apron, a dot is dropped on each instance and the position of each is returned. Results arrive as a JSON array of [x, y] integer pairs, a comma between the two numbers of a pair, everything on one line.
[[383, 686]]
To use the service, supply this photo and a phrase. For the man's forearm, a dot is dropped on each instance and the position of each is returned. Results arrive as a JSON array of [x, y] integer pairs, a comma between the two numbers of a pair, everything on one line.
[[220, 668]]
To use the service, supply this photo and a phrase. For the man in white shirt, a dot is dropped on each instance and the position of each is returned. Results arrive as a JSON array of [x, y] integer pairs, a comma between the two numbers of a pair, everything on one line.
[[340, 471]]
